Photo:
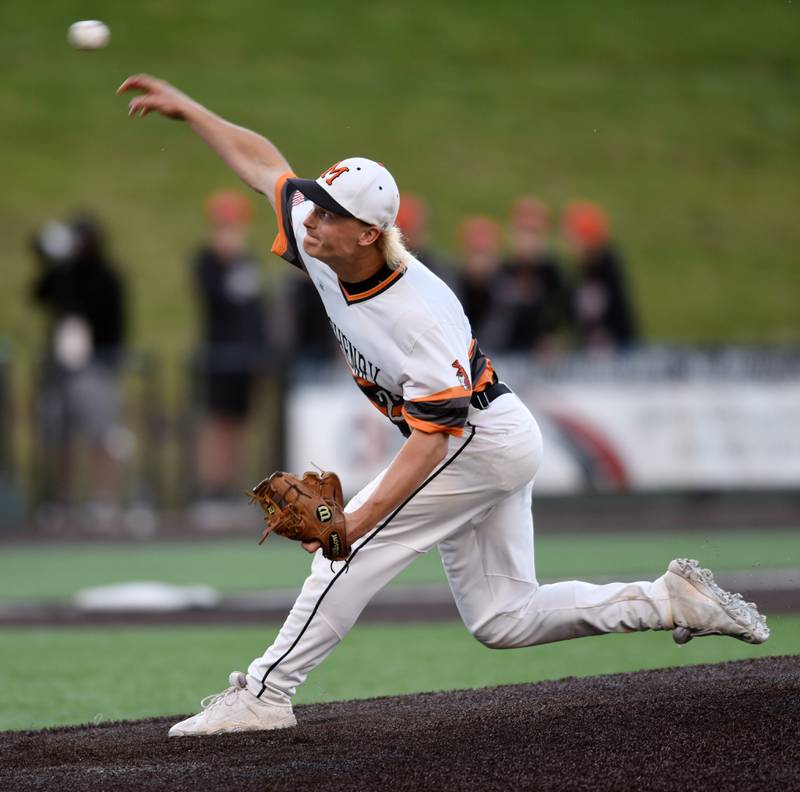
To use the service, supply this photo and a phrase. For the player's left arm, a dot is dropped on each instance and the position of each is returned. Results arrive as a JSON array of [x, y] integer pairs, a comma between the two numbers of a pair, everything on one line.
[[437, 392], [417, 459]]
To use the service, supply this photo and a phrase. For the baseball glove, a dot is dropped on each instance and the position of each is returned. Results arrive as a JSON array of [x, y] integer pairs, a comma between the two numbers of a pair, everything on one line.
[[305, 510]]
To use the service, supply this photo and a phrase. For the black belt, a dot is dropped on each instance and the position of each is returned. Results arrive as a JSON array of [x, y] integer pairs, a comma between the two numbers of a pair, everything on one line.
[[480, 401]]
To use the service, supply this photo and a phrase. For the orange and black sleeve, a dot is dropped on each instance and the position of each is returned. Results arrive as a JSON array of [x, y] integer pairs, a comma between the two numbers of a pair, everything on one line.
[[445, 411], [285, 244]]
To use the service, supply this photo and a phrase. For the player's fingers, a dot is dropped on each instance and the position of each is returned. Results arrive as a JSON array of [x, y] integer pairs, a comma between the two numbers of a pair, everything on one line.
[[137, 81], [140, 106], [311, 547], [133, 107]]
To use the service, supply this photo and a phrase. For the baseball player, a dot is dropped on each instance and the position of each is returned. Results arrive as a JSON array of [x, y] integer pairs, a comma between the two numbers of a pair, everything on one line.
[[462, 481]]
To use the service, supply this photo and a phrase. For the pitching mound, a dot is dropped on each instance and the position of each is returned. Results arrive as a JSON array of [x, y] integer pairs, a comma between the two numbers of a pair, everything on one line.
[[730, 726]]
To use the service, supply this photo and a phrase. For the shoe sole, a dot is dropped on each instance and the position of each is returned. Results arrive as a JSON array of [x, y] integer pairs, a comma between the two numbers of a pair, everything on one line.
[[744, 614], [285, 725]]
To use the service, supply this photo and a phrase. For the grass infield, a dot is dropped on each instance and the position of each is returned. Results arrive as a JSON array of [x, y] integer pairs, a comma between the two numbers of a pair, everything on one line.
[[55, 571], [52, 677]]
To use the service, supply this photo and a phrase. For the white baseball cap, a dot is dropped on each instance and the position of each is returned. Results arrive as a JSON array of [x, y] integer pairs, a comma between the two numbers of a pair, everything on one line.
[[355, 187]]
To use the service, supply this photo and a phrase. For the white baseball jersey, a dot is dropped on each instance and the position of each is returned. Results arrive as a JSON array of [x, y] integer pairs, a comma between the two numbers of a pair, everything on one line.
[[403, 334]]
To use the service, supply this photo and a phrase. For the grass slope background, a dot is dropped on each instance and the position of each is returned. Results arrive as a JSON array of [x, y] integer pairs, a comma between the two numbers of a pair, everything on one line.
[[682, 118]]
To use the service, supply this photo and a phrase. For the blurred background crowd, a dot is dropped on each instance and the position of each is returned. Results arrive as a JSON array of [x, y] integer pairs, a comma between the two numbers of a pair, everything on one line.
[[539, 285]]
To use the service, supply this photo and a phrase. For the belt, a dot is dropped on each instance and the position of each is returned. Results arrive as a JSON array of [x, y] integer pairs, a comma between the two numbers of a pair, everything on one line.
[[480, 401]]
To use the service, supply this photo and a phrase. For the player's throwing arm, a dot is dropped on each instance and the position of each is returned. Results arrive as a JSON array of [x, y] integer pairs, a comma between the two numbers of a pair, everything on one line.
[[251, 156]]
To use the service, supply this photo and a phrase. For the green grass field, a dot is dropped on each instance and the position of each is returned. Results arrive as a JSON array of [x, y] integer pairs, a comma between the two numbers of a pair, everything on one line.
[[60, 570], [51, 677], [682, 118], [120, 673]]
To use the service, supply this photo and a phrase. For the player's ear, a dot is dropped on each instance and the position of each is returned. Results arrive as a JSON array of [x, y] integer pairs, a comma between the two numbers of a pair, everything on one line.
[[369, 235]]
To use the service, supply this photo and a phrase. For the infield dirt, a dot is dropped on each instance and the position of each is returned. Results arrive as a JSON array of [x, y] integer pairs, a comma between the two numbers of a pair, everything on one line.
[[732, 726]]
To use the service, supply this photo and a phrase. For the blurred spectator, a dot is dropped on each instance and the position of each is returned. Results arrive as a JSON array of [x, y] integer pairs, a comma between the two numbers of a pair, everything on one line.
[[83, 295], [310, 340], [480, 244], [412, 220], [532, 291], [234, 340], [602, 307]]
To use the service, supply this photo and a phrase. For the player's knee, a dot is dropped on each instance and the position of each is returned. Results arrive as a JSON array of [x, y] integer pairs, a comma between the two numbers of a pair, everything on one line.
[[490, 635]]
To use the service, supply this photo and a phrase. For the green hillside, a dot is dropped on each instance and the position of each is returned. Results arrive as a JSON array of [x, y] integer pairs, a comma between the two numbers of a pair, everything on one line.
[[682, 118]]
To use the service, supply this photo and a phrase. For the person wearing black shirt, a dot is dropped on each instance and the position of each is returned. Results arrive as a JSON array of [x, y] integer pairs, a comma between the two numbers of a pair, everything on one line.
[[83, 296], [414, 223], [604, 317], [480, 243], [233, 347], [532, 292]]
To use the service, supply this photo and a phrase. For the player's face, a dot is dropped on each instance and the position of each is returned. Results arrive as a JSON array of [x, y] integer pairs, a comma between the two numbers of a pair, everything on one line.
[[332, 237]]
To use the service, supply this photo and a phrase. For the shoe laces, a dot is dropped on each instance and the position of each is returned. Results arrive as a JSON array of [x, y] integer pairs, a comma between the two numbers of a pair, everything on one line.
[[227, 696]]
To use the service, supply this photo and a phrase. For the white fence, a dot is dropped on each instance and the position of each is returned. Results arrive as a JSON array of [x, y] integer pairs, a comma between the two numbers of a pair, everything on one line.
[[656, 420]]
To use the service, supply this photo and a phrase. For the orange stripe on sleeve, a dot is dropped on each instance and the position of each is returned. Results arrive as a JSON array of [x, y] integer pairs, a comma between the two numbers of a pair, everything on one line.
[[485, 379], [281, 242], [449, 393], [429, 427]]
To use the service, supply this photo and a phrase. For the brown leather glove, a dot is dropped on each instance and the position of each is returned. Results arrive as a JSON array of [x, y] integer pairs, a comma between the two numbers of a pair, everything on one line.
[[305, 510]]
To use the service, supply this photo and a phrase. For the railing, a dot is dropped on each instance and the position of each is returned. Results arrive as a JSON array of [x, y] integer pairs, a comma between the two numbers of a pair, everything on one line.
[[107, 454]]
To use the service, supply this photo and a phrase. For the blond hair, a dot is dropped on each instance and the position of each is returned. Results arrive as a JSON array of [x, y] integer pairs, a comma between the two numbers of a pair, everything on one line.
[[392, 248]]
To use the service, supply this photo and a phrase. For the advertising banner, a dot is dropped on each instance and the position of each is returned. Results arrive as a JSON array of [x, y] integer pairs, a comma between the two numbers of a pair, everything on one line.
[[656, 421]]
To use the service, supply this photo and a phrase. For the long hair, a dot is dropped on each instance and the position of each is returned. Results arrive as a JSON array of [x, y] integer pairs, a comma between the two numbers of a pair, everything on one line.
[[390, 243]]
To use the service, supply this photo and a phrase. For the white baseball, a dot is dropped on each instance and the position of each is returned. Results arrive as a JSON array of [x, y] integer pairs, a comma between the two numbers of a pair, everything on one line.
[[88, 34]]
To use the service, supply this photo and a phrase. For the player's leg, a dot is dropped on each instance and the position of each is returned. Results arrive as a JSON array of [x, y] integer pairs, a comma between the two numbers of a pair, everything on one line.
[[490, 567], [331, 601]]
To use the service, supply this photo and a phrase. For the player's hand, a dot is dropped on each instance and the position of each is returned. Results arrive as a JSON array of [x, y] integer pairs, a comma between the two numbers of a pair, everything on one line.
[[157, 95], [353, 533]]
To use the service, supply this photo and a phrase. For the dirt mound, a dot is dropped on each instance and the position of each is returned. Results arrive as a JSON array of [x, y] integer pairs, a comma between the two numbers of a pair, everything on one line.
[[728, 726]]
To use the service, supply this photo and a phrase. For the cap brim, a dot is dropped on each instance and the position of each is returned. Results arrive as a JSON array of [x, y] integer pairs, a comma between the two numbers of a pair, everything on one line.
[[318, 195]]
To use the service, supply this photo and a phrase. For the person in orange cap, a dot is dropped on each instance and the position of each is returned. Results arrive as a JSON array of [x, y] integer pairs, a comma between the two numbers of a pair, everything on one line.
[[604, 318], [532, 288], [413, 222], [480, 242], [233, 350]]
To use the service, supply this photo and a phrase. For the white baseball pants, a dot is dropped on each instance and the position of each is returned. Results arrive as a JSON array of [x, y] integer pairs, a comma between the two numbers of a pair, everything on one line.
[[477, 511]]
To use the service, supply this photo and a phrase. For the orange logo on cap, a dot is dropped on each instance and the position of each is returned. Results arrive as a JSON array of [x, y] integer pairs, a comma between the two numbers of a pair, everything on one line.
[[333, 173]]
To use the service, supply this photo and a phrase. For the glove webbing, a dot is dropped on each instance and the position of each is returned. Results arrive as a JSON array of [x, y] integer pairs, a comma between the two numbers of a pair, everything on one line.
[[355, 552]]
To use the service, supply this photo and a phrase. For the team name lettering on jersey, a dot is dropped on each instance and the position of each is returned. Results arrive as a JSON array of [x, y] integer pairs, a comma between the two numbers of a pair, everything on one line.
[[355, 359]]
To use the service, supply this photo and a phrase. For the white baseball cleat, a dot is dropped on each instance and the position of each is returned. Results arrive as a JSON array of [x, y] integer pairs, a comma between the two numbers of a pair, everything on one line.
[[235, 710], [700, 607]]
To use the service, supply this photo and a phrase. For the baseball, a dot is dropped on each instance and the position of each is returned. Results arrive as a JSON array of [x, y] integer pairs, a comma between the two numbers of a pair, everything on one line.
[[89, 34], [681, 635]]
